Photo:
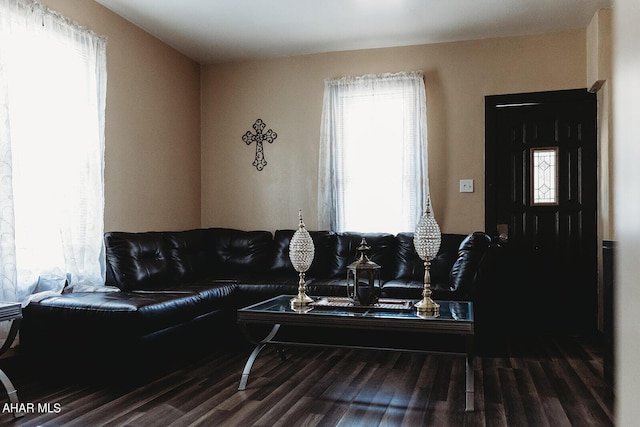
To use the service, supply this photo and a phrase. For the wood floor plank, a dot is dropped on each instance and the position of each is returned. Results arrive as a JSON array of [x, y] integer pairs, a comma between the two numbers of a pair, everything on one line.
[[495, 415], [540, 380], [477, 417], [442, 379], [338, 397], [409, 366], [370, 404], [513, 406], [554, 412], [531, 402], [279, 404], [492, 389], [588, 368], [421, 402]]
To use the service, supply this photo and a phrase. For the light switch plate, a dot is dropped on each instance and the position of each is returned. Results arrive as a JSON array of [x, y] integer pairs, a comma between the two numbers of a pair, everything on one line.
[[466, 186]]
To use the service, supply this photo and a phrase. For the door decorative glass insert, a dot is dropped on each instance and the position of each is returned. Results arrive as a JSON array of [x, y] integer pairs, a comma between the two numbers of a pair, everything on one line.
[[544, 173]]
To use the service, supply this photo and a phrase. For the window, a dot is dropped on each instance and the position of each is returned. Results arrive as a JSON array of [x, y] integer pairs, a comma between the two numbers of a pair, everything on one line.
[[373, 153], [544, 175], [52, 103]]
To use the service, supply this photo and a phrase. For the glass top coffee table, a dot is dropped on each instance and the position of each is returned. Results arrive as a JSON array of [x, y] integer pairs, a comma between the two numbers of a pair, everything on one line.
[[455, 318]]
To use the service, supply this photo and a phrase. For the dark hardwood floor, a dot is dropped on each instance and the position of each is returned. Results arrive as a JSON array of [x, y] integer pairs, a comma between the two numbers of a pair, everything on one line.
[[534, 381]]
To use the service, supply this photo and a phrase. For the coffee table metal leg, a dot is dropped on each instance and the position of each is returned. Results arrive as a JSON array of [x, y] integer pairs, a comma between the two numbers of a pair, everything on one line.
[[247, 367], [469, 380], [11, 393], [4, 379], [254, 354]]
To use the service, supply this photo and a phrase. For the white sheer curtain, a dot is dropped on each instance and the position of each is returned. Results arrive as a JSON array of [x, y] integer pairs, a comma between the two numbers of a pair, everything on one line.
[[373, 153], [52, 112]]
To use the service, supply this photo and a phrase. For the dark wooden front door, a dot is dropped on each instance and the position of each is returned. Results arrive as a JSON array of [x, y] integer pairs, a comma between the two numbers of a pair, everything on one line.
[[541, 187]]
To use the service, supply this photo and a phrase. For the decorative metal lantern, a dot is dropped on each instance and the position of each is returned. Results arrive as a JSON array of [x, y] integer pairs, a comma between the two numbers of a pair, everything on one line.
[[363, 278], [301, 253], [426, 240]]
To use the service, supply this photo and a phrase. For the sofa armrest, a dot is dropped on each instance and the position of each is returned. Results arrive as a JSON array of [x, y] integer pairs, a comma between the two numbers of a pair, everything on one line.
[[472, 250]]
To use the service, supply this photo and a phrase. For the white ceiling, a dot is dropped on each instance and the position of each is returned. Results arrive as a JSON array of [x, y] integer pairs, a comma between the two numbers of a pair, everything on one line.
[[212, 31]]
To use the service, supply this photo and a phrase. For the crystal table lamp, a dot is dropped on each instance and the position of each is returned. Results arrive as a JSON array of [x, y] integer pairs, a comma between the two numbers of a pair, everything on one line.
[[301, 252], [426, 240]]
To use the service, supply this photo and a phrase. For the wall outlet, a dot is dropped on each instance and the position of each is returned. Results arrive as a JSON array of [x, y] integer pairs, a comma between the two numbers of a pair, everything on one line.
[[466, 186]]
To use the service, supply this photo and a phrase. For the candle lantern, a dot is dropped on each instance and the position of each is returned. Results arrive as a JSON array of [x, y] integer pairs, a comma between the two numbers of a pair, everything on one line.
[[363, 278]]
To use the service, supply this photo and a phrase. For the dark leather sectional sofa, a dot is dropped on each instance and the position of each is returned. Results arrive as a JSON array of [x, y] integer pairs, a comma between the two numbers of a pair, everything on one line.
[[183, 286]]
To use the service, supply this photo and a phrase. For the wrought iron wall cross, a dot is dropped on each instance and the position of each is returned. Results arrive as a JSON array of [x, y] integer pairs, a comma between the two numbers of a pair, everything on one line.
[[259, 138]]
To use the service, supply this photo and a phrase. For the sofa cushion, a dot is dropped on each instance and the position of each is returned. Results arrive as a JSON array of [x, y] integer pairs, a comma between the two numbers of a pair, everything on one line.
[[212, 294], [403, 289], [383, 248], [324, 243], [412, 289], [233, 253], [139, 261], [252, 290], [187, 254], [411, 267]]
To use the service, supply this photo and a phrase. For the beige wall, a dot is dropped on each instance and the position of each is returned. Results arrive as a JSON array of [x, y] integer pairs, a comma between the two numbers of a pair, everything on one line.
[[152, 155], [287, 94]]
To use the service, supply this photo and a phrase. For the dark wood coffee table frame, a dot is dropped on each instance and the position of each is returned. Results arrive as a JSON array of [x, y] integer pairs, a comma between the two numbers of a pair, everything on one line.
[[277, 312]]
